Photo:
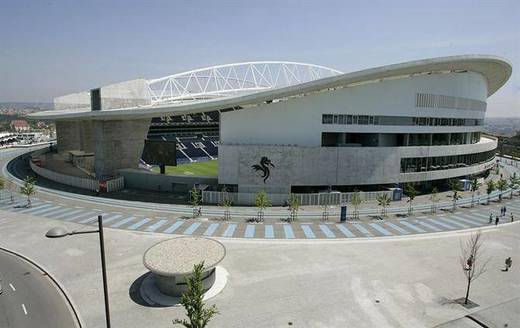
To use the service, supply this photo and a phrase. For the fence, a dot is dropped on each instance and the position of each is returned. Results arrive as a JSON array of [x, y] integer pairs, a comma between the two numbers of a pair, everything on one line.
[[115, 184], [84, 183], [68, 180], [334, 198]]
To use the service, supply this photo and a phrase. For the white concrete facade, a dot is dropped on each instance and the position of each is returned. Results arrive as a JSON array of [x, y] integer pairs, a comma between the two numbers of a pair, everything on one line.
[[298, 121], [289, 133]]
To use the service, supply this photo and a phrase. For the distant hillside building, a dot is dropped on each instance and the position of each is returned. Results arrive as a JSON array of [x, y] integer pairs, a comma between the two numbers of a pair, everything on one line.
[[20, 126]]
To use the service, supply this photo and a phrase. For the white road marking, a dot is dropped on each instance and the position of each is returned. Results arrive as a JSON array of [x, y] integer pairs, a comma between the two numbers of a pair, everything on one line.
[[12, 287], [24, 309]]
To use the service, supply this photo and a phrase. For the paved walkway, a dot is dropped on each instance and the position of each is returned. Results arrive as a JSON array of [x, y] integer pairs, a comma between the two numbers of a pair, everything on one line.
[[421, 224]]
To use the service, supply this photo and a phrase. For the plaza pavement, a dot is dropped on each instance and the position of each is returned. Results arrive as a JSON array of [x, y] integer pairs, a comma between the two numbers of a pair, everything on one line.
[[387, 282]]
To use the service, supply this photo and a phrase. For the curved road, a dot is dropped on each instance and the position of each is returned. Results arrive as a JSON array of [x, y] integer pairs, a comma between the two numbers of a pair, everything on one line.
[[29, 298]]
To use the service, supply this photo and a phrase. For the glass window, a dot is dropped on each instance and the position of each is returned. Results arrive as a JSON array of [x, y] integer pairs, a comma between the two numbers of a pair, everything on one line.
[[363, 119], [326, 119]]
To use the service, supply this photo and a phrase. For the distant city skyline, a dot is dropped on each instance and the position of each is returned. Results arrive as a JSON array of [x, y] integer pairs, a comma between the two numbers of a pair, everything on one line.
[[57, 47]]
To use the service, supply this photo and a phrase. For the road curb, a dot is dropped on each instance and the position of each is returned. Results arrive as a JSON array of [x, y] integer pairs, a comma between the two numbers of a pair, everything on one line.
[[72, 306]]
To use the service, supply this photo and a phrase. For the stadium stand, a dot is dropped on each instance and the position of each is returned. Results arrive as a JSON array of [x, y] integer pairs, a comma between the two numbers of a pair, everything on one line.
[[197, 135]]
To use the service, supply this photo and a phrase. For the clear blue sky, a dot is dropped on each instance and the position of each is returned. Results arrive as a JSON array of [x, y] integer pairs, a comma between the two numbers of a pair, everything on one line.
[[50, 48]]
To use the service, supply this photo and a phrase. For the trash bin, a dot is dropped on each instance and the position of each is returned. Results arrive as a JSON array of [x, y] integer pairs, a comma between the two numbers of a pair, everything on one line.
[[343, 213], [397, 193]]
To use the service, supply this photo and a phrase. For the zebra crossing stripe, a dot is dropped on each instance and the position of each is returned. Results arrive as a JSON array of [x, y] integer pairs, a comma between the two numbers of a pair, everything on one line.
[[52, 213], [345, 231], [380, 229], [268, 231], [397, 228], [191, 229], [211, 229], [444, 225], [429, 226], [91, 218], [453, 221], [326, 231], [515, 207], [136, 225], [32, 209], [230, 230], [472, 222], [110, 218], [481, 215], [156, 225], [362, 229], [411, 226], [23, 206], [122, 222], [308, 231], [288, 231], [173, 227], [66, 214], [45, 210], [80, 216], [250, 231]]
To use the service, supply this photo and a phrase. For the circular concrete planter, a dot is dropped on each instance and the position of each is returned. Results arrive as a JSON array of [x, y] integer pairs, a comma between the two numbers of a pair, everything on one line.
[[171, 262]]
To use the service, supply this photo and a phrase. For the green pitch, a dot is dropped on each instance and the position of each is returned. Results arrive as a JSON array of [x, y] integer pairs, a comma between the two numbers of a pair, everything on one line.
[[208, 168]]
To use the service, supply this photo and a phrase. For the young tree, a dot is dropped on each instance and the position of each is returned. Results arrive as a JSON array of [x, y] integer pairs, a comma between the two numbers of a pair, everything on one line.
[[197, 312], [28, 189], [411, 192], [356, 202], [262, 202], [226, 202], [455, 186], [434, 197], [501, 185], [11, 188], [490, 187], [195, 199], [383, 200], [474, 187], [514, 183], [294, 207], [472, 260], [2, 186]]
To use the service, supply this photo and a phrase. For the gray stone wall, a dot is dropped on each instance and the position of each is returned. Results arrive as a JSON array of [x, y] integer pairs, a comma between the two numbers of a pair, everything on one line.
[[68, 135], [324, 166], [118, 145], [140, 179], [87, 137]]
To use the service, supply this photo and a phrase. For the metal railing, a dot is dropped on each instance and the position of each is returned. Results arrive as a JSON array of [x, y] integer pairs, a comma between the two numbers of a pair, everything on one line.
[[314, 199], [116, 184], [68, 180]]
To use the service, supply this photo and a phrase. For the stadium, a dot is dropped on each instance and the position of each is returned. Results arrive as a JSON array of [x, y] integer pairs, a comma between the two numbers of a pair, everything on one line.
[[289, 127]]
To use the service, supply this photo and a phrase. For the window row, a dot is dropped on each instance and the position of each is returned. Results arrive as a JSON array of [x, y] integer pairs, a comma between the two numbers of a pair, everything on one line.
[[441, 101], [344, 119], [422, 164]]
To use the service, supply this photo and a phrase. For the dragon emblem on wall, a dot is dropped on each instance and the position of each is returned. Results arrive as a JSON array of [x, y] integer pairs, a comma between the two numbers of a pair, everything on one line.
[[263, 167]]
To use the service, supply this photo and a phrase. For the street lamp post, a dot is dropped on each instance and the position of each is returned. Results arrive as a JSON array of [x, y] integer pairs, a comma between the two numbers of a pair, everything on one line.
[[61, 232]]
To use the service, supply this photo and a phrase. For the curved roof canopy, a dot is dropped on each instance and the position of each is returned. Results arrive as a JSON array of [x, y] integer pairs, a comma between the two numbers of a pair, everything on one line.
[[233, 79], [244, 84]]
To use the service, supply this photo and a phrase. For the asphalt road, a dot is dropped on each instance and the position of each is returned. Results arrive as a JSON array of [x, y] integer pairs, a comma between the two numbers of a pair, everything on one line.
[[29, 297]]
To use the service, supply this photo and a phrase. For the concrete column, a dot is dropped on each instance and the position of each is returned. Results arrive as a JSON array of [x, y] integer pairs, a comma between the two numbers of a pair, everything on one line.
[[118, 145], [87, 140], [68, 135]]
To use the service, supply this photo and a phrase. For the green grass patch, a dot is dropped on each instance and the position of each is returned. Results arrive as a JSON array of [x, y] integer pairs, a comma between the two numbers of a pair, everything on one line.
[[208, 168]]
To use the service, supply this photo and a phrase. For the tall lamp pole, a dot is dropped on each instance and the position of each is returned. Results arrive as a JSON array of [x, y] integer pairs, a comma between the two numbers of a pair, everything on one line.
[[59, 232]]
